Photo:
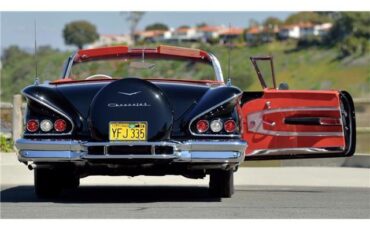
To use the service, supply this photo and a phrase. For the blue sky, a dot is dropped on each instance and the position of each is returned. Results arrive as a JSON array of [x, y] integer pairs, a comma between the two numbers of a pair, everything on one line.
[[17, 27]]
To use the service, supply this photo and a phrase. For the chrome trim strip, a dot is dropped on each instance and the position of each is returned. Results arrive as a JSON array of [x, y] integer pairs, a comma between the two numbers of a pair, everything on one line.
[[207, 157], [188, 151], [301, 108], [257, 117], [341, 119], [190, 145], [55, 110], [208, 110], [49, 155], [217, 67], [49, 145], [129, 143], [293, 151], [231, 145], [128, 156], [45, 134]]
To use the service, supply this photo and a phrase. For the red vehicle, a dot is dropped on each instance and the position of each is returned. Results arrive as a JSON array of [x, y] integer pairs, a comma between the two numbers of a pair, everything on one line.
[[130, 111]]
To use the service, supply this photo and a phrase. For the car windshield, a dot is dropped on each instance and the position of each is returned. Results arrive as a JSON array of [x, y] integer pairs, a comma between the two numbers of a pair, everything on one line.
[[183, 69]]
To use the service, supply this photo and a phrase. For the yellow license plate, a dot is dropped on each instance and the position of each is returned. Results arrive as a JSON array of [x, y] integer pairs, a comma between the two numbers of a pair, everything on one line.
[[128, 131]]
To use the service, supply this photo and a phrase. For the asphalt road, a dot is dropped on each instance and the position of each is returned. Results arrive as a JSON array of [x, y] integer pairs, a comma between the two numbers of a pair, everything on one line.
[[188, 202], [294, 192]]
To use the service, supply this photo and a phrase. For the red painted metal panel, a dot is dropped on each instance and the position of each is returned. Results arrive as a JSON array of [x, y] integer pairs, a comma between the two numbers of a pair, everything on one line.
[[269, 130], [278, 118], [160, 51], [101, 52]]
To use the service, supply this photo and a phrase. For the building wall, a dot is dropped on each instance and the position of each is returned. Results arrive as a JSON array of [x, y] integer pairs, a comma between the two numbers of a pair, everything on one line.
[[105, 40]]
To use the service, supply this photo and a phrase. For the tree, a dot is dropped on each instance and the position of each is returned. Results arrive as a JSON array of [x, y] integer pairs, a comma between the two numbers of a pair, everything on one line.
[[12, 54], [312, 17], [79, 33], [133, 19], [271, 22], [271, 26], [351, 23], [156, 26], [184, 27], [203, 24], [351, 32], [253, 23], [45, 49], [332, 15]]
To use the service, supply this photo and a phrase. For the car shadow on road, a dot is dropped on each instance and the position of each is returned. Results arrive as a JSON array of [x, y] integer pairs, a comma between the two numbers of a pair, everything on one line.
[[113, 194]]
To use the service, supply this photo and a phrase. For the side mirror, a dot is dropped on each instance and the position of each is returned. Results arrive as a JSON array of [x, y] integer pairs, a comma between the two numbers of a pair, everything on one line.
[[283, 86]]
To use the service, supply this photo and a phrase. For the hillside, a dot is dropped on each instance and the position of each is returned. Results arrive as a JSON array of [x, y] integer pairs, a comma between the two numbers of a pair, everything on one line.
[[19, 71], [314, 68]]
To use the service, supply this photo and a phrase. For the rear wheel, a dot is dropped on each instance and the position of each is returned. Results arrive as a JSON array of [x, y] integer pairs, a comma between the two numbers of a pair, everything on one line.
[[221, 183]]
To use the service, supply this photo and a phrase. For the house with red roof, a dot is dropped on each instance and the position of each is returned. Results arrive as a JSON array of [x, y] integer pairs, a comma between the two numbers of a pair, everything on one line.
[[153, 35], [261, 34], [185, 34], [209, 32], [304, 30], [289, 31], [252, 34], [230, 33]]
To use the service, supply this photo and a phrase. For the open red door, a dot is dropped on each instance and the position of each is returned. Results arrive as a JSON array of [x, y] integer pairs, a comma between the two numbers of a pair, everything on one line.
[[282, 123]]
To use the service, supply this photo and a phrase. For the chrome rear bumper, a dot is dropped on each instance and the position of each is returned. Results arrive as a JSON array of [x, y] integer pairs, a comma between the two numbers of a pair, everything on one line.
[[197, 151]]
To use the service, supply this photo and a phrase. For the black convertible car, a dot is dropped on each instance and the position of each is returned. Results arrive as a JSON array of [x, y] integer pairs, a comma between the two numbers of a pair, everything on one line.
[[126, 111]]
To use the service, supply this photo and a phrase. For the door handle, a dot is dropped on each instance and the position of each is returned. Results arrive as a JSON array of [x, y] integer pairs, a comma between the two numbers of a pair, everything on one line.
[[325, 121]]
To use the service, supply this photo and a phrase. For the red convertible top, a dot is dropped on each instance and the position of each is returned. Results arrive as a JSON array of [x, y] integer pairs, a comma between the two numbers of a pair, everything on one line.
[[162, 50]]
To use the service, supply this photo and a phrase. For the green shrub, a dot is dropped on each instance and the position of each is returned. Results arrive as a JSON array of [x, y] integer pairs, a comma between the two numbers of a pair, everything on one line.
[[309, 41], [349, 46], [6, 144]]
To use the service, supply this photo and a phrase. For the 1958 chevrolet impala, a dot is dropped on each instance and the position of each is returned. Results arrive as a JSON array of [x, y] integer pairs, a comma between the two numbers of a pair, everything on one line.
[[130, 111]]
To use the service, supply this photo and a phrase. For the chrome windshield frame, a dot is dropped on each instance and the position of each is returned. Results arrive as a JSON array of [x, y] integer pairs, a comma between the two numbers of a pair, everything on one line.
[[68, 66], [216, 67]]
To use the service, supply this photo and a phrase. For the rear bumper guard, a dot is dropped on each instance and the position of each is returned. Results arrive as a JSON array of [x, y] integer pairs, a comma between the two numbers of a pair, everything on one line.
[[197, 151]]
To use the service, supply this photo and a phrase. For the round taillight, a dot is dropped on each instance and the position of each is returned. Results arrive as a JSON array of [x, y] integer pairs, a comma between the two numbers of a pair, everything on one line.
[[202, 126], [32, 125], [60, 125], [216, 126], [46, 125], [230, 126]]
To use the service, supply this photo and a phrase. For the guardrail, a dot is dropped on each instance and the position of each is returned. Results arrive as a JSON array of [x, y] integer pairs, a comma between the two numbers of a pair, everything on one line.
[[16, 110]]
